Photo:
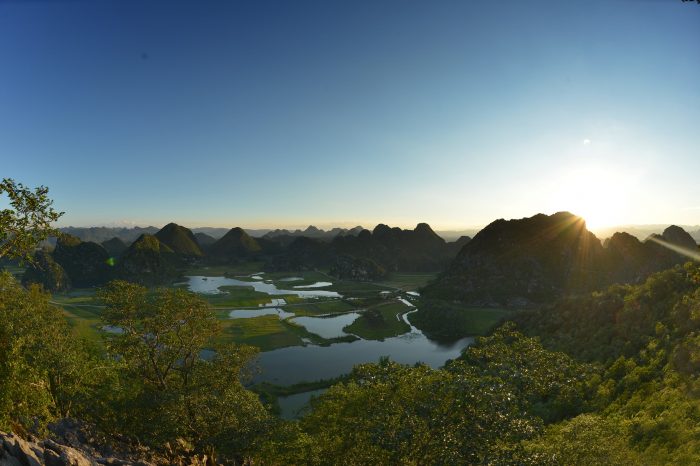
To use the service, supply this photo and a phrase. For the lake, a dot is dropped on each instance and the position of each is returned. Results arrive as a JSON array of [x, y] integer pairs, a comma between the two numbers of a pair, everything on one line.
[[211, 285], [294, 364]]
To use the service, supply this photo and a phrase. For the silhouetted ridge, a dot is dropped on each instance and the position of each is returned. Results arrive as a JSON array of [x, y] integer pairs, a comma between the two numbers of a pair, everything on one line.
[[526, 260], [537, 259]]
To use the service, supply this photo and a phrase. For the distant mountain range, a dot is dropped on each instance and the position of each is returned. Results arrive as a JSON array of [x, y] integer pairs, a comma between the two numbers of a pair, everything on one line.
[[510, 262], [642, 232], [158, 256], [128, 235]]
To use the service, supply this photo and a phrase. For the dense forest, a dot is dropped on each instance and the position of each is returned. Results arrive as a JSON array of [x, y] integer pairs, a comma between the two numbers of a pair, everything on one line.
[[607, 376]]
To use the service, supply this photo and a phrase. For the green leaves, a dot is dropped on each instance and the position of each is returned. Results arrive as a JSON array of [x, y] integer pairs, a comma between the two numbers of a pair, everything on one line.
[[27, 221], [45, 371], [159, 337]]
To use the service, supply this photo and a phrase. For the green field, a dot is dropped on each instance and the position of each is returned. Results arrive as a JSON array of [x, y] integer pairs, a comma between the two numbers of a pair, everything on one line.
[[479, 321], [408, 281], [15, 270], [380, 317], [380, 322], [266, 332]]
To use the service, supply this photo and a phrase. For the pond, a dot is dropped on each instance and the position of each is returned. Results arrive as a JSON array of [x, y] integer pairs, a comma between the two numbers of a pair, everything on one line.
[[313, 285], [211, 285], [294, 364], [249, 313], [327, 327]]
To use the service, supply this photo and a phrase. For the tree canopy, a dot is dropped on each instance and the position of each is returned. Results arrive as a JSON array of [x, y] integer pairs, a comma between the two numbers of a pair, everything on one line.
[[26, 221]]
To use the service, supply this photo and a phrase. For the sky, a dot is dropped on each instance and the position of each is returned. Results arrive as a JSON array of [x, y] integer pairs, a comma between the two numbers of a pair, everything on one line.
[[272, 114]]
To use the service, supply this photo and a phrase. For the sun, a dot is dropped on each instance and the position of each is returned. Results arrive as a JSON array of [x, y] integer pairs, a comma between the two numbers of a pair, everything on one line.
[[598, 194]]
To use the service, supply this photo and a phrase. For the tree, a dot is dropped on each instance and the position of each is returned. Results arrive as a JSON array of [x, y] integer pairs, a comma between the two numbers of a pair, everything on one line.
[[173, 387], [45, 372], [394, 414], [27, 221]]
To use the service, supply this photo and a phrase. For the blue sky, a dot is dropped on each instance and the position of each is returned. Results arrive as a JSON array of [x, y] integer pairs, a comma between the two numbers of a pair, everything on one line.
[[263, 113]]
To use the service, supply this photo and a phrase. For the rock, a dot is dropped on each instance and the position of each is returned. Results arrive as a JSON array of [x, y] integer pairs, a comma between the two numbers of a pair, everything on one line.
[[22, 450], [66, 456], [6, 460]]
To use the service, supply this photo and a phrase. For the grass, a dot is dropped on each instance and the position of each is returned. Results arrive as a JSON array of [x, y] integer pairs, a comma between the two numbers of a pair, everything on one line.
[[479, 321], [408, 281], [334, 306], [269, 332], [450, 321], [380, 322], [266, 332], [15, 270], [245, 268]]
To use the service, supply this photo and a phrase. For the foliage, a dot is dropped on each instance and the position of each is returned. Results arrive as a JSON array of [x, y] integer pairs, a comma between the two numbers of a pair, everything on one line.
[[86, 263], [44, 271], [443, 320], [147, 261], [171, 388], [27, 221], [380, 322], [45, 372], [550, 385], [394, 414], [582, 441]]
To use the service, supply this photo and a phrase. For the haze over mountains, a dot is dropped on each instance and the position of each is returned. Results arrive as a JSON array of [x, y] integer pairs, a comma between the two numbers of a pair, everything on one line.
[[157, 257], [205, 235], [511, 263], [99, 234]]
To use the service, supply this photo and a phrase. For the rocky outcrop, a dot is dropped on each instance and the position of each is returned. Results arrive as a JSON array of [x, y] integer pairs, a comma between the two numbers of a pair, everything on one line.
[[16, 451]]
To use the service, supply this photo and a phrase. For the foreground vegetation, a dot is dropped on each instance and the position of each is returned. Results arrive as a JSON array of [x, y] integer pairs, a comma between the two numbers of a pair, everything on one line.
[[614, 381], [609, 377]]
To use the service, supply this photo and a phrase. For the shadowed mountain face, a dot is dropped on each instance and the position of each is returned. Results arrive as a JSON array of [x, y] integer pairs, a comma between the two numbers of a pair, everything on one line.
[[382, 250], [234, 246], [148, 261], [47, 273], [519, 261], [537, 259], [180, 240], [394, 249], [311, 231], [204, 240], [114, 247], [86, 263]]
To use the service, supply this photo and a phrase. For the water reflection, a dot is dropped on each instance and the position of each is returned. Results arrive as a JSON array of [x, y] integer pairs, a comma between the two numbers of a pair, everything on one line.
[[327, 327], [211, 285], [249, 313]]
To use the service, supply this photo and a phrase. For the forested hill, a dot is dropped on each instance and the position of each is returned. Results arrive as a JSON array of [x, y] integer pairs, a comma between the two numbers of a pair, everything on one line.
[[540, 258]]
